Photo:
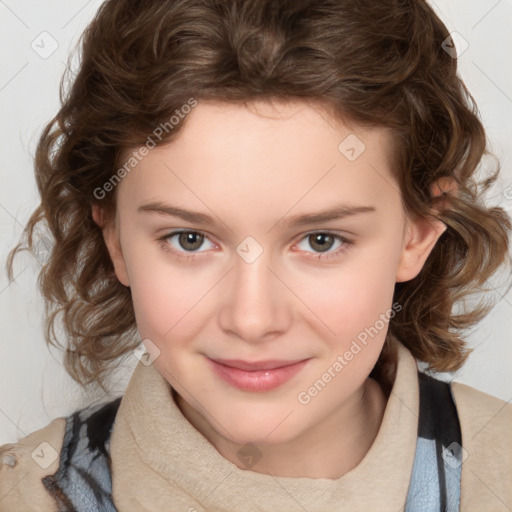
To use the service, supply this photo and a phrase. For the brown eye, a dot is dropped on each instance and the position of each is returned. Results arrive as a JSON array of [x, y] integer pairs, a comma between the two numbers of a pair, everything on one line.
[[186, 245], [190, 240], [324, 245], [321, 242]]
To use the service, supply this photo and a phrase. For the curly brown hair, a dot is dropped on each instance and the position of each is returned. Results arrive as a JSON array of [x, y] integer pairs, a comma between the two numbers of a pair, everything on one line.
[[375, 63]]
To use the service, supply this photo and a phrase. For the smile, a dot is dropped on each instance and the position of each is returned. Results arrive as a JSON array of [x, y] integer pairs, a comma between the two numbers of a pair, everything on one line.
[[256, 376]]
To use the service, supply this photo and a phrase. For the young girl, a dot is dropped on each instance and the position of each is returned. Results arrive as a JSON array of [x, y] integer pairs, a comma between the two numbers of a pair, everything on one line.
[[274, 205]]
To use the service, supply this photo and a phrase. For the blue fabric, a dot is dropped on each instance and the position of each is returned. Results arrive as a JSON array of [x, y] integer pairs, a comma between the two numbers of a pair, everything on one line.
[[435, 479], [424, 493], [83, 481]]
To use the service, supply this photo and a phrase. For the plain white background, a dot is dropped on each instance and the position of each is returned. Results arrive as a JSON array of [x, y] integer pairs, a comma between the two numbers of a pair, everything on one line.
[[36, 37]]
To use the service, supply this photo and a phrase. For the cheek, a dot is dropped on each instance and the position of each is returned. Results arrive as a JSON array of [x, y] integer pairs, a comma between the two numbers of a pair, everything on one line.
[[352, 298], [166, 297]]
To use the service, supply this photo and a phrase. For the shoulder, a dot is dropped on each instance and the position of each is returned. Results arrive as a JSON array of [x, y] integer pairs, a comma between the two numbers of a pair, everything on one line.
[[25, 463], [481, 410], [44, 470], [486, 428]]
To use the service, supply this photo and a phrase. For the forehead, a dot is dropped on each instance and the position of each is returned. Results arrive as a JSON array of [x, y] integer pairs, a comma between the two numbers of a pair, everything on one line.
[[272, 123], [270, 152]]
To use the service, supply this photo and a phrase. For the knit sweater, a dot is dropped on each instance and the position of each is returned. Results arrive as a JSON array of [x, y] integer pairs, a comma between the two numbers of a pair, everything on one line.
[[161, 462]]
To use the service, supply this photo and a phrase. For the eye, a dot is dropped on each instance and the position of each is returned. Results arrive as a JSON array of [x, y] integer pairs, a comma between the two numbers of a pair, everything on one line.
[[184, 241], [322, 242], [184, 244]]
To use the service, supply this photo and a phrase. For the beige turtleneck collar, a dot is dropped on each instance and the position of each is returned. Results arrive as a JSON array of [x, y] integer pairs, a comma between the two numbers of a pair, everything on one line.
[[160, 462]]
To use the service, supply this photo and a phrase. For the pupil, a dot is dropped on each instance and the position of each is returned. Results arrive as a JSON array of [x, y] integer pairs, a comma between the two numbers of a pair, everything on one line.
[[188, 238], [320, 239]]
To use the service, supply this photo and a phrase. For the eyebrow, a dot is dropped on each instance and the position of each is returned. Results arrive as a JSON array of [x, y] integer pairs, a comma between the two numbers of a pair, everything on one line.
[[336, 213]]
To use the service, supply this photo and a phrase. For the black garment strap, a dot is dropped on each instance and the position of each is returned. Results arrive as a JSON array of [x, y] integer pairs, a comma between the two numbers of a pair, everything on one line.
[[439, 421], [83, 480]]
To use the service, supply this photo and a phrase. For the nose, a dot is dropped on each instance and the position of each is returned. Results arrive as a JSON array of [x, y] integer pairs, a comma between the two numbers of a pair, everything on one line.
[[255, 306]]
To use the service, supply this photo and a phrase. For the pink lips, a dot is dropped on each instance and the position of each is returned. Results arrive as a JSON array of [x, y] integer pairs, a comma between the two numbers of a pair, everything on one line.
[[256, 376]]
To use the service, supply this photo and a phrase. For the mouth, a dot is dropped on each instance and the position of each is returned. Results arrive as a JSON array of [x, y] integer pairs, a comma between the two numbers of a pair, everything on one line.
[[256, 376]]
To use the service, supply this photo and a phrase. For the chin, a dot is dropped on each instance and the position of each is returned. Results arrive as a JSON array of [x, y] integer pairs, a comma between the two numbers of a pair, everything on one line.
[[260, 429]]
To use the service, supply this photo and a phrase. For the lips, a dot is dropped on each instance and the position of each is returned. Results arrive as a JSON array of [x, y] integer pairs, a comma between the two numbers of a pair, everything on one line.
[[256, 376], [255, 366]]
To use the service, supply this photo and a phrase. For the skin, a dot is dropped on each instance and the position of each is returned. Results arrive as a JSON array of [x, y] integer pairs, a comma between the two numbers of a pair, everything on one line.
[[252, 169]]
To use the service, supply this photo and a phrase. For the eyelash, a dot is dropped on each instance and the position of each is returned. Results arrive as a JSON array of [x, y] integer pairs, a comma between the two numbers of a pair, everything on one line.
[[346, 243]]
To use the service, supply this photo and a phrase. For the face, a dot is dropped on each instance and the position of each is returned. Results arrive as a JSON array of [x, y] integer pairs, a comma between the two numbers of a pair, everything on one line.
[[262, 248]]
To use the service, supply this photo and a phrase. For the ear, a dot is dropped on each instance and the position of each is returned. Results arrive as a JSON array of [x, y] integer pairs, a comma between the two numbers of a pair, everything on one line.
[[420, 238], [422, 234], [111, 237]]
